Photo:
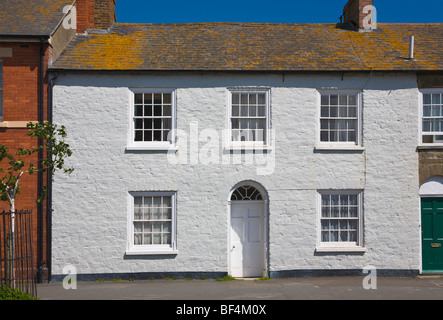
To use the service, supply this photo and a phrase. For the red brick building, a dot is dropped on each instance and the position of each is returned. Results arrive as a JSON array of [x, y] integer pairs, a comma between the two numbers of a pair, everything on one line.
[[33, 34]]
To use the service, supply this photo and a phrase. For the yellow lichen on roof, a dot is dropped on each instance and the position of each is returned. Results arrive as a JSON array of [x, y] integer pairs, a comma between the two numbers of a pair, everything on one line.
[[111, 52], [256, 46]]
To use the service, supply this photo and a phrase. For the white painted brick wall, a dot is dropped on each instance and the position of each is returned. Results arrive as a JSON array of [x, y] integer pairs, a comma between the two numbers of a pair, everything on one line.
[[91, 205]]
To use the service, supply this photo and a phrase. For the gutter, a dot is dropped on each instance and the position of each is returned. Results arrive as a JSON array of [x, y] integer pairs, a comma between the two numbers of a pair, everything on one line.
[[40, 227], [49, 183]]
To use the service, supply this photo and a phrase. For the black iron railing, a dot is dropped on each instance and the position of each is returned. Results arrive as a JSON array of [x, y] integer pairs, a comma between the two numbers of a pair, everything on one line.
[[16, 256]]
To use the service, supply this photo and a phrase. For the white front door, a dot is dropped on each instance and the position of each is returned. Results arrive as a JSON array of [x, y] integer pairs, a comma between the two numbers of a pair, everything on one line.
[[247, 239]]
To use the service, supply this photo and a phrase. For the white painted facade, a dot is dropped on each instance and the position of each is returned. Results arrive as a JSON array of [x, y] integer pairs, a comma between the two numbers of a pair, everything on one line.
[[92, 206]]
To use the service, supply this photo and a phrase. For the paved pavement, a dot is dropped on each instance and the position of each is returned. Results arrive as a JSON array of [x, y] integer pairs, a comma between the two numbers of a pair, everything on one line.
[[321, 288]]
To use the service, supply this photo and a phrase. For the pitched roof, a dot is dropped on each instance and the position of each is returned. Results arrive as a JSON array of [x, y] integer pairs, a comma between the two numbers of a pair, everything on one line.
[[256, 47], [30, 18]]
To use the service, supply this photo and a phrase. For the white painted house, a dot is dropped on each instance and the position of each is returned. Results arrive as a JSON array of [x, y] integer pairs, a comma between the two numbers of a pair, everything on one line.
[[250, 150]]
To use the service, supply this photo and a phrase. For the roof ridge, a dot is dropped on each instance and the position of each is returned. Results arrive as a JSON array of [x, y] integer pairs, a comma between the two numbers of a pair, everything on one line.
[[218, 23]]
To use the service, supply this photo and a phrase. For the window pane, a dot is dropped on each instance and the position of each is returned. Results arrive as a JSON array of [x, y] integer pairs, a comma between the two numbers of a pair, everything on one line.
[[334, 100], [148, 98], [138, 239], [147, 136], [138, 123], [243, 111], [352, 100], [157, 238], [235, 111], [157, 110], [325, 236], [157, 98], [427, 99], [167, 135], [343, 100], [138, 98], [244, 99], [325, 100], [167, 124], [352, 112], [138, 111], [324, 136], [167, 111], [166, 238], [148, 111], [167, 98], [138, 135], [436, 98], [262, 99], [325, 112], [261, 111], [235, 98], [326, 212]]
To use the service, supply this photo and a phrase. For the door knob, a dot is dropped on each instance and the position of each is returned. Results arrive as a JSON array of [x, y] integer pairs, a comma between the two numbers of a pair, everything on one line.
[[233, 247]]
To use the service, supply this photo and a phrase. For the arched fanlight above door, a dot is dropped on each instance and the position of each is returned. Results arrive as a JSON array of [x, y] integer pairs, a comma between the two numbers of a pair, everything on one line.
[[246, 192]]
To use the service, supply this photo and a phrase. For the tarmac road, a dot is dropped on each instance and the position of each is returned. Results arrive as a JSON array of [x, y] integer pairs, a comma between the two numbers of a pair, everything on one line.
[[321, 288]]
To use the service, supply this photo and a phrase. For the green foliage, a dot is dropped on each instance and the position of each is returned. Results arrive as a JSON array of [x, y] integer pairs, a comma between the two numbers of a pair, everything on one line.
[[263, 279], [226, 278], [11, 294], [52, 138]]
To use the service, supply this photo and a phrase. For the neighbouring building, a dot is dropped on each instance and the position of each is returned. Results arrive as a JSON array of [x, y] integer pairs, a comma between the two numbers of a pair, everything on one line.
[[33, 34], [250, 149]]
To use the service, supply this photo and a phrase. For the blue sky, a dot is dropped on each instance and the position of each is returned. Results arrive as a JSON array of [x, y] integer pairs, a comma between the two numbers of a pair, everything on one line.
[[274, 11]]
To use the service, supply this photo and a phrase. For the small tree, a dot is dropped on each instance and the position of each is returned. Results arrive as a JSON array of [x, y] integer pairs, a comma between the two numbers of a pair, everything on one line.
[[17, 167]]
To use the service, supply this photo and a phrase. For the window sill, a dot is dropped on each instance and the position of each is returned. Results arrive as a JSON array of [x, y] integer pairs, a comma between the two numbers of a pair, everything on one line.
[[151, 148], [151, 252], [430, 147], [15, 124], [340, 249], [339, 148]]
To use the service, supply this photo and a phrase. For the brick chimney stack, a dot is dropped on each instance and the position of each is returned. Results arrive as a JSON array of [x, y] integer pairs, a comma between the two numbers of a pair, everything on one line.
[[95, 14], [354, 13]]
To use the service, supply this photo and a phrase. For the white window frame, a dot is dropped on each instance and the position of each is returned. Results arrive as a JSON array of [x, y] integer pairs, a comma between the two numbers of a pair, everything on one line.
[[326, 145], [249, 145], [153, 145], [2, 111], [153, 249], [420, 122], [338, 246]]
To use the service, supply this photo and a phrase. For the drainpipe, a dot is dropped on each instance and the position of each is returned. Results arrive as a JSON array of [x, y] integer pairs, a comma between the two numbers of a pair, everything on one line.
[[40, 232], [49, 194]]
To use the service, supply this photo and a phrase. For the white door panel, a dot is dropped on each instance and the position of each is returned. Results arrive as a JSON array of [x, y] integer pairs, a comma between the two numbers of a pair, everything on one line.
[[247, 239]]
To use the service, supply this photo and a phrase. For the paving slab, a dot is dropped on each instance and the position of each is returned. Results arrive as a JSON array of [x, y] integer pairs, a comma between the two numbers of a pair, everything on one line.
[[321, 288]]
